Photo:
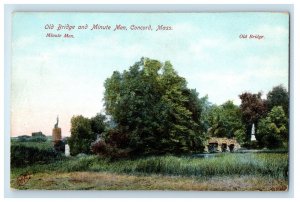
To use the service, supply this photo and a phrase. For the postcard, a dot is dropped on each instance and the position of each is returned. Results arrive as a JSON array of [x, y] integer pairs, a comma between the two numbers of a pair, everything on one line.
[[150, 101]]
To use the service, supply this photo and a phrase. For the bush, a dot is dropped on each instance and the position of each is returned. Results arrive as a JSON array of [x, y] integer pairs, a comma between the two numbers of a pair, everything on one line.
[[112, 144], [100, 148], [22, 155], [109, 151]]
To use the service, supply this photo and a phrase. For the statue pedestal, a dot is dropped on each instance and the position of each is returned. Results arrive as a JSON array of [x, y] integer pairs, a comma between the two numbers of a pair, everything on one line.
[[56, 134]]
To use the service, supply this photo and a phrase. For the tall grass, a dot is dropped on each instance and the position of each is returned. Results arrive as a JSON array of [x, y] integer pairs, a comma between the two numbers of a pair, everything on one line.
[[274, 165]]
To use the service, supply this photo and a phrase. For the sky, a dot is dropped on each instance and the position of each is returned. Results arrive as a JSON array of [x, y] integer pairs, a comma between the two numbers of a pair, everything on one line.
[[61, 76]]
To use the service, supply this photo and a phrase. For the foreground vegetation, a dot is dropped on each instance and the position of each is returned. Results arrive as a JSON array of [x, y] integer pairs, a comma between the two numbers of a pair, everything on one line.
[[112, 181], [256, 169], [29, 153]]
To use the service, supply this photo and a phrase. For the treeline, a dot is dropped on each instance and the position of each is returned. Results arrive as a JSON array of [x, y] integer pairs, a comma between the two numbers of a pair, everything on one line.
[[150, 110], [269, 116]]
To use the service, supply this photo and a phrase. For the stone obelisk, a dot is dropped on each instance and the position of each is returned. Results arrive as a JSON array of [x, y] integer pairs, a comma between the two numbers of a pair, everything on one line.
[[56, 132], [253, 133]]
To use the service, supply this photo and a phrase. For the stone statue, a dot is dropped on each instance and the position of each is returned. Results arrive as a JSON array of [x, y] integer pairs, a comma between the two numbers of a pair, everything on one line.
[[56, 125]]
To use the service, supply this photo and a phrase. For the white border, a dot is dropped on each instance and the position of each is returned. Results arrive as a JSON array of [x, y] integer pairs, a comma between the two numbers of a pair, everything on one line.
[[138, 8]]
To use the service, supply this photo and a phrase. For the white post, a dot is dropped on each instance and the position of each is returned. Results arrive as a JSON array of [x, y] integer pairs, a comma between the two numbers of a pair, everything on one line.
[[253, 133], [67, 150]]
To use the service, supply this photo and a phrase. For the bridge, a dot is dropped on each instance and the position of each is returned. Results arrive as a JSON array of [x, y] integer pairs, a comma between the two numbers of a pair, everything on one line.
[[215, 144]]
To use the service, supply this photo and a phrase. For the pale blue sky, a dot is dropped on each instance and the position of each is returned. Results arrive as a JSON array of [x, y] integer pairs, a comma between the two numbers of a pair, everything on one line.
[[53, 76]]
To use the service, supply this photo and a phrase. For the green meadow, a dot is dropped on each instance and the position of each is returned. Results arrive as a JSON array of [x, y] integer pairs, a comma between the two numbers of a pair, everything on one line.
[[229, 171]]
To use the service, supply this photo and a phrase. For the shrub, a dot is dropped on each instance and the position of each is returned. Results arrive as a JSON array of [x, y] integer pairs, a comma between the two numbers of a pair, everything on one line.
[[100, 148], [113, 144], [109, 151], [22, 155]]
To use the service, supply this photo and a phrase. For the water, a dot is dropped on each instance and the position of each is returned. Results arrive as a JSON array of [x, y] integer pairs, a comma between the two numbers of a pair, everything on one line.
[[209, 155], [219, 154]]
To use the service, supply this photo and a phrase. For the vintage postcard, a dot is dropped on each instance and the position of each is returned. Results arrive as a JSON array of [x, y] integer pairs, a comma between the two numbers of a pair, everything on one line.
[[150, 101]]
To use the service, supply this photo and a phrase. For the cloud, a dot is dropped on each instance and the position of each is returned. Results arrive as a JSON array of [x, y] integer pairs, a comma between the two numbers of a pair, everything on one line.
[[23, 42], [66, 77]]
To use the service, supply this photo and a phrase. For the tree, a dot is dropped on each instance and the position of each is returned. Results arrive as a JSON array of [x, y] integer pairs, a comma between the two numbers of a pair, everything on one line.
[[98, 124], [84, 131], [272, 130], [240, 135], [253, 108], [205, 106], [232, 118], [214, 121], [225, 120], [152, 104], [81, 135], [278, 96]]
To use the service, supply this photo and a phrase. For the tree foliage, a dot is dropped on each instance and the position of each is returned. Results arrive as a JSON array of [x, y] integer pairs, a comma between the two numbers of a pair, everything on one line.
[[84, 131], [98, 124], [152, 104], [253, 108], [278, 96], [273, 130], [225, 120]]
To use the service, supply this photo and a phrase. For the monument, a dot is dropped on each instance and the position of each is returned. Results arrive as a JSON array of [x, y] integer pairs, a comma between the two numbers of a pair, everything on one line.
[[253, 133], [58, 144], [67, 150], [56, 132]]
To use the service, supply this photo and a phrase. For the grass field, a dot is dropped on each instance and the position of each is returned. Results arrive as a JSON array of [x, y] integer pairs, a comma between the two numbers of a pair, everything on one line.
[[251, 171], [112, 181]]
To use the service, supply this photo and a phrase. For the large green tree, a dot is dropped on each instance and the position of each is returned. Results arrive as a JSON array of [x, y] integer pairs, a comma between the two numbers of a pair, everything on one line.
[[273, 129], [278, 96], [152, 104]]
